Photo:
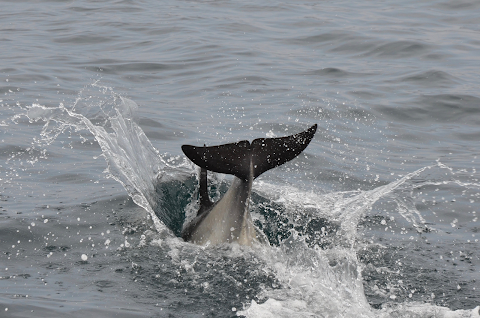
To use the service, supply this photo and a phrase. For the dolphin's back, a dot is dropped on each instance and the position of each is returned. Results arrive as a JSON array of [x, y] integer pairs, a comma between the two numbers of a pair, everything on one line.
[[247, 160]]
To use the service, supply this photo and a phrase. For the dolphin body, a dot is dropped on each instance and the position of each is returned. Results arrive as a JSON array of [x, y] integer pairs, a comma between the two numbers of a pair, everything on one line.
[[228, 220]]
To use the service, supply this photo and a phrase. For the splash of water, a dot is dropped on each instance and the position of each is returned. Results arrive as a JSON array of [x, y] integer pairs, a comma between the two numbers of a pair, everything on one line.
[[313, 281], [131, 158], [328, 282]]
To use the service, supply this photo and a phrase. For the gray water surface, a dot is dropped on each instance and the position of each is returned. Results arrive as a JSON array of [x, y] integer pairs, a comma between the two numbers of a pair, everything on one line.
[[378, 217]]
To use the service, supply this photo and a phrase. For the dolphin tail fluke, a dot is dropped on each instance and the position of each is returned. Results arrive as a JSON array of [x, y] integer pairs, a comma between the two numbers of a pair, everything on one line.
[[249, 160], [268, 153]]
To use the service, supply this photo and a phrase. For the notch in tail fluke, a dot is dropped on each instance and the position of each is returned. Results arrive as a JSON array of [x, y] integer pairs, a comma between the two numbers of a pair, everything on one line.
[[244, 159]]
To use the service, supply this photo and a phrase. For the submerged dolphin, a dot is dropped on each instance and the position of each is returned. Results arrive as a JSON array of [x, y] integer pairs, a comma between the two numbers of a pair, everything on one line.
[[228, 220]]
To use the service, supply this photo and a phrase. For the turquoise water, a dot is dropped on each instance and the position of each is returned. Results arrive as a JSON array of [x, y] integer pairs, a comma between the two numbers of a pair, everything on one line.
[[377, 218]]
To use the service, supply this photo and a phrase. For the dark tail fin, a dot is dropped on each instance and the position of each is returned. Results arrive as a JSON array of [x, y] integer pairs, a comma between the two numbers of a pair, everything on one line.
[[205, 202], [243, 159]]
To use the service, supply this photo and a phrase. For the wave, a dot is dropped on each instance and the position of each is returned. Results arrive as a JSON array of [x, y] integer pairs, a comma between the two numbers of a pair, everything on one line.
[[314, 239]]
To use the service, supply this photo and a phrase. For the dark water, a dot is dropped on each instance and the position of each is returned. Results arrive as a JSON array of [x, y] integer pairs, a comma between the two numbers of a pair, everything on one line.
[[378, 217]]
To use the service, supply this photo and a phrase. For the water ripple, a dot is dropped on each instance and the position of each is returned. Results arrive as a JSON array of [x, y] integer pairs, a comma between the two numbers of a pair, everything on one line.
[[430, 78]]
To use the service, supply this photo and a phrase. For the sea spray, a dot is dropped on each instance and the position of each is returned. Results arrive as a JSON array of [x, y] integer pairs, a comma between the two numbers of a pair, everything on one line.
[[131, 158], [296, 275]]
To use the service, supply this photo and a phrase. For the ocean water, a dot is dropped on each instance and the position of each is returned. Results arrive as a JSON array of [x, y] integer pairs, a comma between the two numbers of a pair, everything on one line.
[[377, 218]]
